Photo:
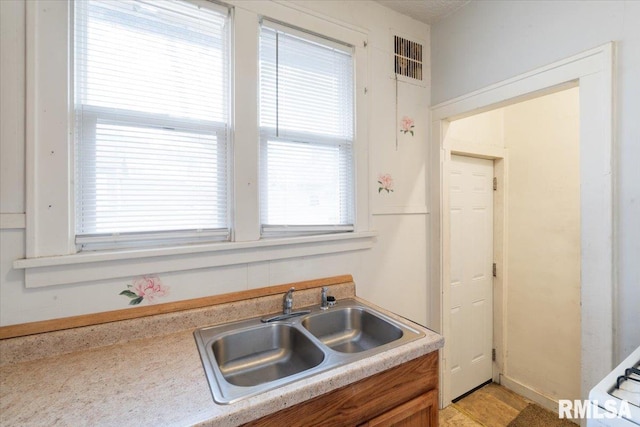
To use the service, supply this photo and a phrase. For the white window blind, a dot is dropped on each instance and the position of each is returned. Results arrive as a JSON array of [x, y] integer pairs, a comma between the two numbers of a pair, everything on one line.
[[306, 133], [151, 110]]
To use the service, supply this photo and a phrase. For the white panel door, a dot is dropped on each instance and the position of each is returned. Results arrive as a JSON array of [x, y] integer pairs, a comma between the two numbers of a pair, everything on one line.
[[471, 287]]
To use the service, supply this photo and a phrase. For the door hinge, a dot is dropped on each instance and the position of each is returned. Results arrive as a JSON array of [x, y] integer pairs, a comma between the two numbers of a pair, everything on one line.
[[493, 354], [495, 183], [494, 269]]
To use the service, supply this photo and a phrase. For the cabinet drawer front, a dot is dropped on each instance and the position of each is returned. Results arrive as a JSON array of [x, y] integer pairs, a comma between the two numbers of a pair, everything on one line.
[[419, 412]]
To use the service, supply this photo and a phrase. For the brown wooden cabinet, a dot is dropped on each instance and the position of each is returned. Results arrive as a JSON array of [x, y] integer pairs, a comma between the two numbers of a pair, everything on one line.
[[406, 395], [419, 412]]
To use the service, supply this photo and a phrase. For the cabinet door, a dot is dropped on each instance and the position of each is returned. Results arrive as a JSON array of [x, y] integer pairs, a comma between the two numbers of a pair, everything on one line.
[[419, 412]]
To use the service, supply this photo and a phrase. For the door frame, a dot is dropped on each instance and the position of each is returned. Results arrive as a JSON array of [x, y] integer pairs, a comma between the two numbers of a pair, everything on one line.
[[592, 71]]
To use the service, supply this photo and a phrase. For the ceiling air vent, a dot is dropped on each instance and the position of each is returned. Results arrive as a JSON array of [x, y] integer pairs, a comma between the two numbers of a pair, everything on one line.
[[408, 58]]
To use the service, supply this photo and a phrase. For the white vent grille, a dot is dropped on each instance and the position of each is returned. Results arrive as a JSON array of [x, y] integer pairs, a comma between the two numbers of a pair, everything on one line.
[[407, 58]]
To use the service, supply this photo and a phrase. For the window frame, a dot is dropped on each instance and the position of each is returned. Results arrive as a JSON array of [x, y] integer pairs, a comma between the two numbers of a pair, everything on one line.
[[92, 115], [51, 254], [270, 134]]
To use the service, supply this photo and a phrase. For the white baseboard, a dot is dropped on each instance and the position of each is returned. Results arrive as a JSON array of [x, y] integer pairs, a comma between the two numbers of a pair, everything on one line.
[[535, 396], [529, 393]]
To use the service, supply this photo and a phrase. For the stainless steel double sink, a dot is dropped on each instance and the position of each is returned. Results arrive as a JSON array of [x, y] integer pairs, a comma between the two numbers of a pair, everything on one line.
[[242, 359]]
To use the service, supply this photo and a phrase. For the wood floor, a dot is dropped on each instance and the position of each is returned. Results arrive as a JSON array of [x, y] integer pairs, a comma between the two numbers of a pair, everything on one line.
[[491, 406]]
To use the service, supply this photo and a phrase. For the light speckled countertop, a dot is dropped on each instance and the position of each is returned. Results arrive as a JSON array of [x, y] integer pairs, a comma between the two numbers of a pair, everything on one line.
[[158, 380]]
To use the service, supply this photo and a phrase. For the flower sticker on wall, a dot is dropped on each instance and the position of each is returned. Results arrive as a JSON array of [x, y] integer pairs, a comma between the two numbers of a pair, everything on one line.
[[145, 288], [407, 125], [386, 183]]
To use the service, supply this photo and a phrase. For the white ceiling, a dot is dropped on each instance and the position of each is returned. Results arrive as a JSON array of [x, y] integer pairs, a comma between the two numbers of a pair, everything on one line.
[[427, 11]]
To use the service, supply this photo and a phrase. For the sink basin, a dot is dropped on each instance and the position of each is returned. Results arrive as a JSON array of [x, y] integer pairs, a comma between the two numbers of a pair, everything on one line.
[[259, 355], [351, 329], [246, 358]]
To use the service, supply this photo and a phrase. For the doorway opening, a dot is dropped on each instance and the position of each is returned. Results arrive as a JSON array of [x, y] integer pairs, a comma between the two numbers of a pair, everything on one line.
[[535, 254], [591, 73]]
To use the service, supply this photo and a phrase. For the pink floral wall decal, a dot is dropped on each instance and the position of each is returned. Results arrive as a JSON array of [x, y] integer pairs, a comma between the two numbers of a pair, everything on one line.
[[147, 288], [407, 125], [386, 183]]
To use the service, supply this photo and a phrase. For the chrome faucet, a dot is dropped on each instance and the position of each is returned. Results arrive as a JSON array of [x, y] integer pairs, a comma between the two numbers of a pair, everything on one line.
[[287, 305], [325, 303], [288, 301]]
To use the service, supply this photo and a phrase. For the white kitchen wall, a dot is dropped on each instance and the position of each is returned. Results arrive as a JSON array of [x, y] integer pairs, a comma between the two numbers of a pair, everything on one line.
[[393, 274], [543, 242], [490, 41], [12, 107], [485, 129]]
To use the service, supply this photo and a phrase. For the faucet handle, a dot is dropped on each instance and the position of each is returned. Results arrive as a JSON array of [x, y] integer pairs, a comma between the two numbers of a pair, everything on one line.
[[288, 301], [323, 297]]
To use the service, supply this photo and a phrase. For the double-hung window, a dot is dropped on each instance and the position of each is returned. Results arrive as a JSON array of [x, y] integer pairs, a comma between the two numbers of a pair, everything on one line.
[[151, 97], [156, 124], [306, 133]]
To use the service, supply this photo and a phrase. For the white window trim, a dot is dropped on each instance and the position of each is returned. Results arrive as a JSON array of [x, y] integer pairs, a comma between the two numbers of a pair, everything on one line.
[[90, 266], [246, 75], [51, 255]]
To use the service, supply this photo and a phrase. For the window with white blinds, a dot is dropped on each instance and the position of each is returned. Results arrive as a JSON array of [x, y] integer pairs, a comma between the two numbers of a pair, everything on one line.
[[151, 111], [306, 133]]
